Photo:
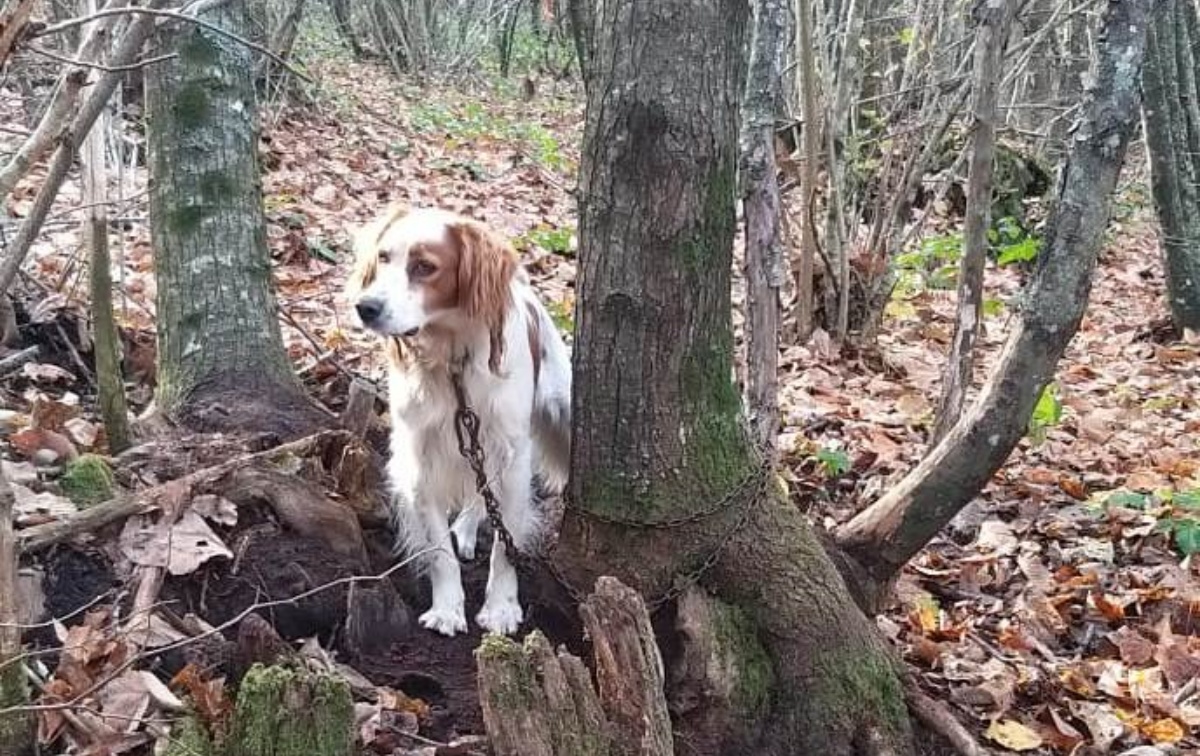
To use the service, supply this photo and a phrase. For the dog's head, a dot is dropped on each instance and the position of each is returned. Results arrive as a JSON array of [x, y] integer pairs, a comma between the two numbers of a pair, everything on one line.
[[417, 268]]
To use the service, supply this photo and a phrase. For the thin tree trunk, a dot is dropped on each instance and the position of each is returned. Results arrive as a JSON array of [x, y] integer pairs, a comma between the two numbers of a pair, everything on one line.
[[657, 420], [62, 103], [760, 203], [13, 18], [105, 339], [1172, 122], [884, 536], [71, 139], [994, 18], [221, 356], [811, 136], [16, 729]]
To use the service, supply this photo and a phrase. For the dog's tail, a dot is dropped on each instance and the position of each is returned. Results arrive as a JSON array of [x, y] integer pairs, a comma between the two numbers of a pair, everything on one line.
[[552, 408]]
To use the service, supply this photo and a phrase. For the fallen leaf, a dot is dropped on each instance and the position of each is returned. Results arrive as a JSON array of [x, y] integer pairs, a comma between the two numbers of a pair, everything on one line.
[[83, 432], [1134, 648], [32, 440], [1104, 726], [181, 547], [46, 373], [1164, 731], [1013, 735]]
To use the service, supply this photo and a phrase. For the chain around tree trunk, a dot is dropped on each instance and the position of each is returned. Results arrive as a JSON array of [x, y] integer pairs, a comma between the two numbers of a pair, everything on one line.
[[750, 491]]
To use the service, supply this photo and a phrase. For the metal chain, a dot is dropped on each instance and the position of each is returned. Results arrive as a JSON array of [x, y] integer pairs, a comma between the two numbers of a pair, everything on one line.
[[466, 429]]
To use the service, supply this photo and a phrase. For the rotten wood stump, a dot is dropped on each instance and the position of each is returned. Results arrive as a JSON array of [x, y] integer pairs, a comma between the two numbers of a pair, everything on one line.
[[538, 702]]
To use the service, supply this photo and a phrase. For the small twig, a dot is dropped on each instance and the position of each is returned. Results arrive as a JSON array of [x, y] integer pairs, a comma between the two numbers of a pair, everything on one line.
[[79, 363], [14, 361], [99, 515], [51, 622], [257, 606], [176, 15], [100, 66]]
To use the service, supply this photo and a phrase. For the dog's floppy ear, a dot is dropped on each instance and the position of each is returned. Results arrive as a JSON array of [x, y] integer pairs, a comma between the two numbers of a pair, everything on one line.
[[486, 265]]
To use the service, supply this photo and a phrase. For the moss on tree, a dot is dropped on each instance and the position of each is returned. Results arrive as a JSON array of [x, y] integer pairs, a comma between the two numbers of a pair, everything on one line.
[[282, 711], [747, 658], [16, 730], [189, 738]]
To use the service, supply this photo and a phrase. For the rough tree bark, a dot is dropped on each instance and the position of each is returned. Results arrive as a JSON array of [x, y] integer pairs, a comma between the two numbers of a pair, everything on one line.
[[658, 430], [811, 135], [16, 729], [890, 531], [994, 18], [221, 358], [1172, 122], [109, 379], [760, 207]]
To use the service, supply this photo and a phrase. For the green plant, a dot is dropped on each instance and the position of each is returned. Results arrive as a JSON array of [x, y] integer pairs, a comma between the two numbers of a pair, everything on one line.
[[551, 239], [1177, 513], [1010, 242], [834, 462], [1047, 413], [933, 264], [561, 312]]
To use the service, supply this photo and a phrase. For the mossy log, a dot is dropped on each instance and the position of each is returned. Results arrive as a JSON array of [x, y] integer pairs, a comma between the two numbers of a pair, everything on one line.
[[284, 711], [540, 703]]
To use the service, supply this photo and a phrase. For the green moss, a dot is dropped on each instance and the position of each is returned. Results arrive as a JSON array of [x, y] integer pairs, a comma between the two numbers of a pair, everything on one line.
[[185, 219], [87, 480], [716, 453], [861, 686], [198, 50], [746, 656], [16, 730], [283, 711], [188, 738], [192, 104], [712, 242], [215, 186]]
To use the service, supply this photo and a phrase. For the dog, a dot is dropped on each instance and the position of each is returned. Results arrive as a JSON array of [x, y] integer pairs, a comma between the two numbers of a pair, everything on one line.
[[447, 292]]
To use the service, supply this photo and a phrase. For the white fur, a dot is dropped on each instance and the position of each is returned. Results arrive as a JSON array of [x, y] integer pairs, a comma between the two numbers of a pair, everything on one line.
[[523, 431]]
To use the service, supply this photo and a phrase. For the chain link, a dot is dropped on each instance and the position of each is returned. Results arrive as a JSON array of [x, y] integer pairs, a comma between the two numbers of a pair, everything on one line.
[[751, 490]]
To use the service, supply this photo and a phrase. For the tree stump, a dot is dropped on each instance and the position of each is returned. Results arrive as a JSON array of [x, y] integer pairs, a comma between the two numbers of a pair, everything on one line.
[[284, 711], [540, 703]]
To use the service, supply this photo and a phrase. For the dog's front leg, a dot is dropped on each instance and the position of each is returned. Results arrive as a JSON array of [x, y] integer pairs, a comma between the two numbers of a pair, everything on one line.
[[447, 615], [501, 612]]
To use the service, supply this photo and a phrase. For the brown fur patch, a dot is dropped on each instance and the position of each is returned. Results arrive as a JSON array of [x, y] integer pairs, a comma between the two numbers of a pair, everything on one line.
[[535, 341], [486, 265]]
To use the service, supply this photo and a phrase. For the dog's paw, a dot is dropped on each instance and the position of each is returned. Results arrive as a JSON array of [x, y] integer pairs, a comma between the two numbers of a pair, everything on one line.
[[502, 617], [444, 621]]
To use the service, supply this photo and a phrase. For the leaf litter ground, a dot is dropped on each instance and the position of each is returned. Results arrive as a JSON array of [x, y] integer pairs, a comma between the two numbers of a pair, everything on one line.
[[1056, 614]]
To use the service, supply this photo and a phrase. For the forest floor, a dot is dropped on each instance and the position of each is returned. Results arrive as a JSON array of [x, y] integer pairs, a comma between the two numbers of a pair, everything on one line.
[[1059, 612]]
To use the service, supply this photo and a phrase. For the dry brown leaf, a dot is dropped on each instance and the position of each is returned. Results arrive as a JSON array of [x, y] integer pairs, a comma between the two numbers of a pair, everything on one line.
[[180, 547], [1013, 735], [32, 440], [1134, 647]]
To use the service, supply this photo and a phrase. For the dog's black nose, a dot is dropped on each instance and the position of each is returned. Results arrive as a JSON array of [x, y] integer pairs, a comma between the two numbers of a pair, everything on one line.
[[369, 310]]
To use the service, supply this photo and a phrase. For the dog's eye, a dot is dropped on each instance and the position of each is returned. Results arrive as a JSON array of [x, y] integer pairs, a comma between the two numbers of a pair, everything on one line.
[[385, 257], [421, 269]]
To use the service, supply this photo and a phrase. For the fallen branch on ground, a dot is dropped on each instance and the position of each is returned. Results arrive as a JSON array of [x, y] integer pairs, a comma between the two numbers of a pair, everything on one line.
[[40, 536]]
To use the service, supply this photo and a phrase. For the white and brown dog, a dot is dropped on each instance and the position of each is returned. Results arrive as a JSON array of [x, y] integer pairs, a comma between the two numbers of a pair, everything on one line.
[[442, 290]]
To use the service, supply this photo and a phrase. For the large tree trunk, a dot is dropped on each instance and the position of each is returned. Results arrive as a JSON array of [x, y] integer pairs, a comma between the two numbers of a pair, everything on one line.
[[221, 356], [884, 536], [658, 431], [1172, 118]]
